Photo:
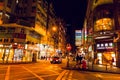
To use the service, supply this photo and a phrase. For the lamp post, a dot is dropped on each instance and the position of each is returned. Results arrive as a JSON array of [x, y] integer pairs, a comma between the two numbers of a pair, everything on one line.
[[47, 23], [54, 29], [68, 49]]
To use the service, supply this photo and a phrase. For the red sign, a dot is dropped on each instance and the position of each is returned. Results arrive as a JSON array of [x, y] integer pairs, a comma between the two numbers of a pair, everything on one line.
[[68, 47]]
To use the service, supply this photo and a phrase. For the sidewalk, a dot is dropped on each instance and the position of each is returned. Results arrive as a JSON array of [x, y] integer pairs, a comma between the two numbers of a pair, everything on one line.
[[15, 62], [95, 68], [20, 62]]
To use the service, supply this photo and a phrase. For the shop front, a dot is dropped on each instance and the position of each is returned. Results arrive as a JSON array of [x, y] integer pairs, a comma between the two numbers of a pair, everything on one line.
[[31, 52], [6, 52], [14, 53], [46, 51], [105, 53]]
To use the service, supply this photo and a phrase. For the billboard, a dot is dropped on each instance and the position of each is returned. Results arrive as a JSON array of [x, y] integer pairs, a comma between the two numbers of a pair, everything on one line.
[[78, 37]]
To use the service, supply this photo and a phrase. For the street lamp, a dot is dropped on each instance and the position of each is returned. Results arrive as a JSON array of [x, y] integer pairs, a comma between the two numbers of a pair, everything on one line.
[[54, 36], [54, 28], [47, 23], [68, 49]]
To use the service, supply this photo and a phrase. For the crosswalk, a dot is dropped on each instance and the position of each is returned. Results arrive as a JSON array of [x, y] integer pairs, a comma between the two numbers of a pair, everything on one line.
[[67, 76]]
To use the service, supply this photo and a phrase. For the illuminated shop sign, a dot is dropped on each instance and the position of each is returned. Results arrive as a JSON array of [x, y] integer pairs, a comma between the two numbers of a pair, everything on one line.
[[78, 37], [105, 46]]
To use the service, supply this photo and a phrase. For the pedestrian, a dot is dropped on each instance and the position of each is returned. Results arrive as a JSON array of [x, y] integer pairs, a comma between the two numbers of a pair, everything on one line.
[[77, 59], [112, 61], [3, 57], [84, 64], [80, 58]]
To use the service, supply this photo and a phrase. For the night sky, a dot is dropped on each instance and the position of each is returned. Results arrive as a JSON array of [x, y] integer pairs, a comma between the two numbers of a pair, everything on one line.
[[73, 13]]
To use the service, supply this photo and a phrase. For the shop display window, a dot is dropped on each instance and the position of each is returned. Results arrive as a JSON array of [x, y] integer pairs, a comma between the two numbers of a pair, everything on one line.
[[103, 24], [99, 56]]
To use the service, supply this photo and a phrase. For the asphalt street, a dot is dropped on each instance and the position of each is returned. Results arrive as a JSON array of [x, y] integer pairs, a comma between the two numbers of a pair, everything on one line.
[[44, 70]]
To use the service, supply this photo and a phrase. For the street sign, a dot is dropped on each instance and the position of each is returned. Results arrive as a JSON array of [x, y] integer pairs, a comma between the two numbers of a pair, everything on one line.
[[68, 47]]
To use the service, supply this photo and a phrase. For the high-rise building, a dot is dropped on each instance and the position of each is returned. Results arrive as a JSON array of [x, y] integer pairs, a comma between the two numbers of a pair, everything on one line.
[[25, 29], [102, 23]]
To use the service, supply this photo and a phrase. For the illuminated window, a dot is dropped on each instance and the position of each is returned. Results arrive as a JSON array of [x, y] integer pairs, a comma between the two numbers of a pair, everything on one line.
[[17, 1], [98, 45], [102, 45], [103, 24], [110, 44], [106, 44]]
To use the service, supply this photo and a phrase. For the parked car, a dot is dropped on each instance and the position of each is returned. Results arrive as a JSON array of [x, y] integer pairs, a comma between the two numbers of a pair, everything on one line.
[[56, 59]]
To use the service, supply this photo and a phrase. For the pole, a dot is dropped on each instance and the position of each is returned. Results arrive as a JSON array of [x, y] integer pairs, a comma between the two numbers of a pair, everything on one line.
[[68, 49], [47, 25], [68, 59]]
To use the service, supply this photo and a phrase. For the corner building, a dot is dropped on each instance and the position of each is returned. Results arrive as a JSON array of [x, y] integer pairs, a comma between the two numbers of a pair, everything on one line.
[[102, 24], [23, 29]]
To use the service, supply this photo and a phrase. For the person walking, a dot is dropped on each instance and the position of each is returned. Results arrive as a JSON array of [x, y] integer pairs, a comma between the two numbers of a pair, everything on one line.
[[77, 61]]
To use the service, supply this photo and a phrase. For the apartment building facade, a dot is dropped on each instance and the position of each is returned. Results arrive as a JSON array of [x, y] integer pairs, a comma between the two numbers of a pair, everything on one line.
[[23, 32]]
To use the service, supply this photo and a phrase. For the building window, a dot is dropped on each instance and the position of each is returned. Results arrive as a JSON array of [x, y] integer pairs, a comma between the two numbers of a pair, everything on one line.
[[2, 29], [106, 44], [110, 44], [98, 45], [9, 3], [34, 0], [34, 9], [96, 1], [103, 24], [5, 40], [17, 1], [11, 40], [1, 0], [102, 45], [22, 31], [0, 40], [11, 30]]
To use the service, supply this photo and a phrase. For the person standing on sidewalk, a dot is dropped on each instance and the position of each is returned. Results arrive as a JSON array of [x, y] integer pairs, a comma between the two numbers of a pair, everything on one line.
[[112, 61], [84, 64]]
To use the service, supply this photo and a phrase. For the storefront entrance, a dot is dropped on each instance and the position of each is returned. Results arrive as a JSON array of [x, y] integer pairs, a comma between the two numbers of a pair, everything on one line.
[[107, 58]]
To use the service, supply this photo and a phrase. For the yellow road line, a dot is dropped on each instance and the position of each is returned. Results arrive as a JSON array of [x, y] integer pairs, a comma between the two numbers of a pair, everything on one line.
[[33, 73], [61, 75], [7, 73]]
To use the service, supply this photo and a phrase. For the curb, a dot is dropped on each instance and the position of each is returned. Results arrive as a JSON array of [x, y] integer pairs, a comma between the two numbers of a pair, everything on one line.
[[78, 69]]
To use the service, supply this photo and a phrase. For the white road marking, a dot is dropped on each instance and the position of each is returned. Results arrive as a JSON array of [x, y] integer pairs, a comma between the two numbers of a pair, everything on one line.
[[33, 73], [98, 75], [70, 76], [65, 75], [61, 75], [7, 73]]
